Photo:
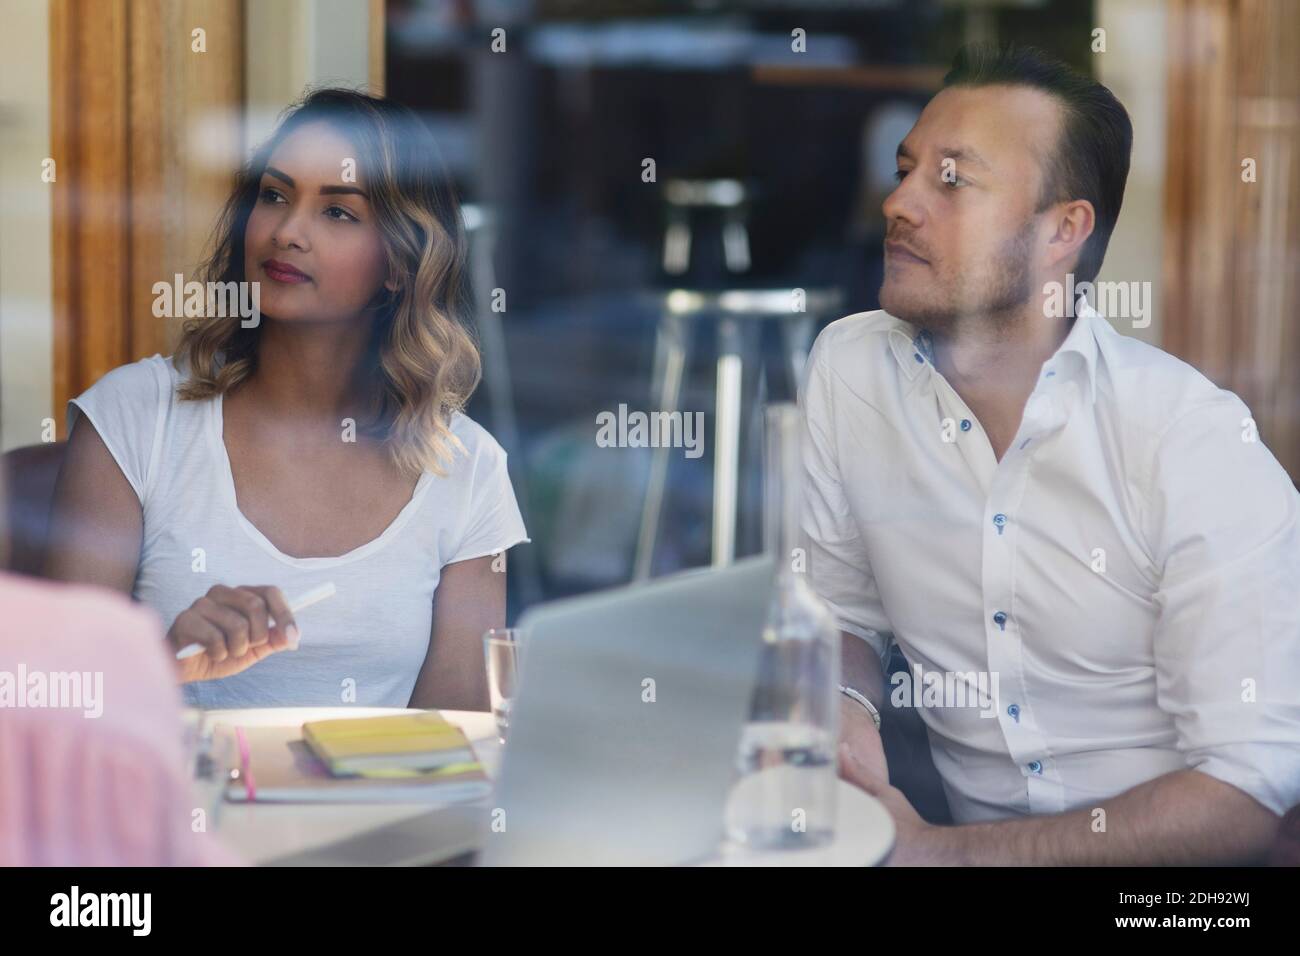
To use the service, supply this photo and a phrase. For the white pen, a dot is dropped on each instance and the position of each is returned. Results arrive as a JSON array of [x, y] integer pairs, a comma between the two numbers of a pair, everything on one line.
[[305, 600]]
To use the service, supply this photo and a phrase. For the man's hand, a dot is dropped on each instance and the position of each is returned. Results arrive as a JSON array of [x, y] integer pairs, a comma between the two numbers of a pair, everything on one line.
[[863, 764], [862, 755]]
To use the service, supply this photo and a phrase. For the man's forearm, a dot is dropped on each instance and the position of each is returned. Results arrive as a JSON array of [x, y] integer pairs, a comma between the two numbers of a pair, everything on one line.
[[860, 669], [1182, 818]]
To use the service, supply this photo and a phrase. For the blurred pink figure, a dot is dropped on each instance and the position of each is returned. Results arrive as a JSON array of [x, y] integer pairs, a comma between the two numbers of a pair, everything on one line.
[[78, 789]]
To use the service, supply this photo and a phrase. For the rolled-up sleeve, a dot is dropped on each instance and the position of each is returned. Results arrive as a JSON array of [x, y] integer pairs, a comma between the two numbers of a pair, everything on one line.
[[838, 568], [1226, 529]]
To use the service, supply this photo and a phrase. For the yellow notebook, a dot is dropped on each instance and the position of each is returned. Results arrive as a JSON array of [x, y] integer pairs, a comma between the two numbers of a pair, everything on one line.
[[387, 746]]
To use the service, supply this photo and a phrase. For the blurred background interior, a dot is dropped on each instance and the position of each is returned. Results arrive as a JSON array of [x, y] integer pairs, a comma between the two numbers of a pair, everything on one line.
[[769, 163]]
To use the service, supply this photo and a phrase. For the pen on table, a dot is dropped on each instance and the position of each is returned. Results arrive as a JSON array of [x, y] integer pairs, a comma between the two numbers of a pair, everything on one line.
[[246, 763], [303, 601]]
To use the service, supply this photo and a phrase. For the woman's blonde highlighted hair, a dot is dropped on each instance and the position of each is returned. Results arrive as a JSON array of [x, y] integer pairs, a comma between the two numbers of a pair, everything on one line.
[[426, 362]]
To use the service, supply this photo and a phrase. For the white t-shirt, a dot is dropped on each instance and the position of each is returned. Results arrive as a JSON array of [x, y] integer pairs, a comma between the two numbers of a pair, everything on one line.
[[366, 644]]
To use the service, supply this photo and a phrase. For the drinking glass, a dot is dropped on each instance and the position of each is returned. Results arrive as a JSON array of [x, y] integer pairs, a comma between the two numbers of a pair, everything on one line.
[[501, 650]]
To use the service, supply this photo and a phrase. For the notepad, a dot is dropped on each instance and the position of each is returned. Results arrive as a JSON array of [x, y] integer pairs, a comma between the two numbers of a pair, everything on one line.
[[389, 745], [284, 769]]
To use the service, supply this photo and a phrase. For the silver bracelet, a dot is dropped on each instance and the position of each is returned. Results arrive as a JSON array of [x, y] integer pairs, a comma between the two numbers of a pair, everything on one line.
[[871, 708]]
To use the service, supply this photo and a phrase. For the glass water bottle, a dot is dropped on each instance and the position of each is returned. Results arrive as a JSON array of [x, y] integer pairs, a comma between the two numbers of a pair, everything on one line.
[[785, 793]]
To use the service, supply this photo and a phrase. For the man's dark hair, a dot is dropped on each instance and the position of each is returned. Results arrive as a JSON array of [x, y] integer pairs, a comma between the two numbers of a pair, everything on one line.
[[1092, 155]]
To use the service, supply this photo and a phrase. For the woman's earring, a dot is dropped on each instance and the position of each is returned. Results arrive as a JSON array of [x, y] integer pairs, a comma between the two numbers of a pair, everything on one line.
[[386, 298]]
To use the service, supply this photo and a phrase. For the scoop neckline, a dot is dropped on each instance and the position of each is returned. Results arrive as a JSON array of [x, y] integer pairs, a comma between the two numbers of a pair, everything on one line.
[[216, 428]]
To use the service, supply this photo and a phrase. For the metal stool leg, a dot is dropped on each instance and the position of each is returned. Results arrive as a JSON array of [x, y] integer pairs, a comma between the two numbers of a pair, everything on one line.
[[797, 337], [677, 244], [726, 443], [671, 351], [735, 242]]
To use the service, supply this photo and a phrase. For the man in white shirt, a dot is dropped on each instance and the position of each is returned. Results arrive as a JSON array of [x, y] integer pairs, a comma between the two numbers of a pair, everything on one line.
[[1088, 557]]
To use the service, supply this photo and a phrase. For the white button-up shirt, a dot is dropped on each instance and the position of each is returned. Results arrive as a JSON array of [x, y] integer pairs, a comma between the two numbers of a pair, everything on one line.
[[1124, 585]]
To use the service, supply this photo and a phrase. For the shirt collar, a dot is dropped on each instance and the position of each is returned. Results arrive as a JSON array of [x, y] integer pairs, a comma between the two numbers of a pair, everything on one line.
[[914, 348], [1082, 342]]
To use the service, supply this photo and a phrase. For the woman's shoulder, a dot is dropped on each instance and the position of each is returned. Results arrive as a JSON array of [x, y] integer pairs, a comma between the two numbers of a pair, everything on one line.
[[133, 408], [478, 443], [127, 398], [144, 379], [488, 516], [150, 381], [474, 459]]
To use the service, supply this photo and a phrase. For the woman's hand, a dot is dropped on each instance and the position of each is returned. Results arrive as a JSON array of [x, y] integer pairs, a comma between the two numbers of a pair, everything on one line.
[[234, 627]]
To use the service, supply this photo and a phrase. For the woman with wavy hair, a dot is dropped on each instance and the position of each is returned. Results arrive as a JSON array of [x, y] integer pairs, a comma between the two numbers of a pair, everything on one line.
[[321, 442]]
